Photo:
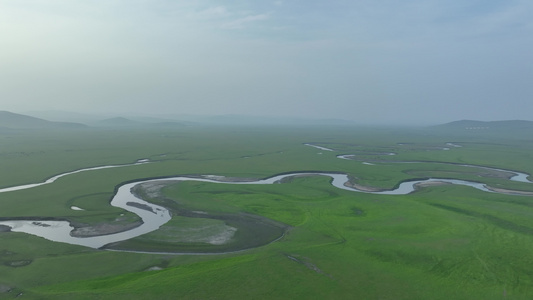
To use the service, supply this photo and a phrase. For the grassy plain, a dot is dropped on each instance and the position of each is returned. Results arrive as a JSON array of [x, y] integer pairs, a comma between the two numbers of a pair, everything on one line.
[[441, 242]]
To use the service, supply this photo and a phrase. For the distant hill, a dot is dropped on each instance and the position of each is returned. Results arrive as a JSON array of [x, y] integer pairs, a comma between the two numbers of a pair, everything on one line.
[[18, 121], [65, 116], [124, 122], [487, 125], [233, 119], [109, 119], [119, 121], [168, 124]]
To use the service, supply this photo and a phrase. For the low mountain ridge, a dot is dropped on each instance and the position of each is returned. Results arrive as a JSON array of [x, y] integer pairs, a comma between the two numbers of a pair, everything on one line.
[[18, 121], [487, 125], [119, 121], [124, 122]]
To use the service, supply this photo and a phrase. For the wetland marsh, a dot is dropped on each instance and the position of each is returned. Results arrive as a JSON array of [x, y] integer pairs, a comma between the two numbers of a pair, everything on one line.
[[154, 216], [315, 228]]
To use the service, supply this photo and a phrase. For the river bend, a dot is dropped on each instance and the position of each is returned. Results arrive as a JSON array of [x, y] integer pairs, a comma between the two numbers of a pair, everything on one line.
[[156, 216]]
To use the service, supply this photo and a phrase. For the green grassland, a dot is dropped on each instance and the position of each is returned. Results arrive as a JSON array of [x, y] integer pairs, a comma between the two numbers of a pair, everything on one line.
[[440, 242]]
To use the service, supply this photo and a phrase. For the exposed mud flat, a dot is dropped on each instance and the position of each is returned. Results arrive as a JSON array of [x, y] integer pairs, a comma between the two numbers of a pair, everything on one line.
[[225, 179], [511, 192], [362, 187], [223, 236], [213, 234], [102, 229], [151, 189], [431, 183]]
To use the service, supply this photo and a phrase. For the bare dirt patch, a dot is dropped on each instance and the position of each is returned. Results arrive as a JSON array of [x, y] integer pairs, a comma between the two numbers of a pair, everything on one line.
[[102, 229], [430, 183], [150, 189], [354, 185], [511, 192]]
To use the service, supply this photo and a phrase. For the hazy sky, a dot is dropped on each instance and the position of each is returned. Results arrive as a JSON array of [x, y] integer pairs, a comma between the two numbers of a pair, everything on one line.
[[366, 60]]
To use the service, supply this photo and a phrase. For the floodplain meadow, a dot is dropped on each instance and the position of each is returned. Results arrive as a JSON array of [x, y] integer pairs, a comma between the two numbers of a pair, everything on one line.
[[300, 239]]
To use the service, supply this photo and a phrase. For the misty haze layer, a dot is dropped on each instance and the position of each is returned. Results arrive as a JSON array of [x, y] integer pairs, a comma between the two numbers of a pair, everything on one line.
[[370, 61]]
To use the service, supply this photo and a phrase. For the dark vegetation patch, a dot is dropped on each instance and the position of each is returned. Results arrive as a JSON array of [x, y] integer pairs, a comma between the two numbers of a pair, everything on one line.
[[358, 212], [17, 263], [6, 252], [5, 288], [516, 200], [12, 259], [305, 261], [504, 224], [41, 224], [404, 257]]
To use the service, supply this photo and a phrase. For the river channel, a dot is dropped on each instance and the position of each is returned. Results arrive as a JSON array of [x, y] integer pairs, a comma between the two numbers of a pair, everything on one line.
[[154, 216]]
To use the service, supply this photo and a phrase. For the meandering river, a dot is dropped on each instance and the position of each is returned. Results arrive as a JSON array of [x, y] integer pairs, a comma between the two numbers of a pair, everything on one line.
[[154, 216]]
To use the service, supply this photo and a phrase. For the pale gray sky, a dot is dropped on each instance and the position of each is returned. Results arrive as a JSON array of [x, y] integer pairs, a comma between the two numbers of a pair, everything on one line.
[[412, 61]]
